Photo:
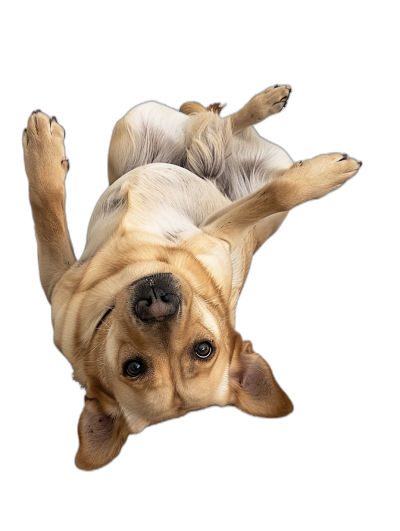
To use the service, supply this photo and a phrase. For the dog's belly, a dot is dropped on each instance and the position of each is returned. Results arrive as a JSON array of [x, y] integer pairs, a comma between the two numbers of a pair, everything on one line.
[[170, 201], [163, 200]]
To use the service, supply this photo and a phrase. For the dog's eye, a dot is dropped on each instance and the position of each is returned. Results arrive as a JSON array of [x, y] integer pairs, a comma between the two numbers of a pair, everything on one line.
[[133, 368], [203, 349], [109, 310]]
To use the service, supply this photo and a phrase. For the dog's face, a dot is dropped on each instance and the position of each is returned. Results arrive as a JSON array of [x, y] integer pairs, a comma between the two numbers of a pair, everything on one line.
[[167, 350], [166, 346]]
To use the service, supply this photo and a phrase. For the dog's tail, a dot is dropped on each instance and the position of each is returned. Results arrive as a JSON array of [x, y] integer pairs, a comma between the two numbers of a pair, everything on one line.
[[216, 108]]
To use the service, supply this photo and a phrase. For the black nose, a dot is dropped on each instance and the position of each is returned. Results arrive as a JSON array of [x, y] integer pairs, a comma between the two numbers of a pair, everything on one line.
[[156, 297]]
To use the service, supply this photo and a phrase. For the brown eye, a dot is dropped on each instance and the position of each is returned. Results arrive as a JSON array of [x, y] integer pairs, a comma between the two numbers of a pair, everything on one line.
[[203, 350], [133, 368]]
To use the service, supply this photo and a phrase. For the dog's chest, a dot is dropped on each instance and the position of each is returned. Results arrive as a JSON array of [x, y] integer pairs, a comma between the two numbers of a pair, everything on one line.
[[170, 202]]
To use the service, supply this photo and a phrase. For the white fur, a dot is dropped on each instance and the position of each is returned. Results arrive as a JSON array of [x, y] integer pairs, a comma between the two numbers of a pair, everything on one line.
[[151, 146]]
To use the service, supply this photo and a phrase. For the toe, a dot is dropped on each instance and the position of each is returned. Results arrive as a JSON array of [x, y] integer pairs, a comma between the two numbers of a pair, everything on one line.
[[56, 129], [25, 138], [39, 124], [43, 123], [32, 124]]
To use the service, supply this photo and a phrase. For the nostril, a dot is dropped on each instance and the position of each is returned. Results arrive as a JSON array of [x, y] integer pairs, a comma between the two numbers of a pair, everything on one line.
[[150, 309]]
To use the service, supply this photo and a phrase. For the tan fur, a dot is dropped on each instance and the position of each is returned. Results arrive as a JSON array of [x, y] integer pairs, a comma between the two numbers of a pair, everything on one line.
[[192, 107], [191, 196]]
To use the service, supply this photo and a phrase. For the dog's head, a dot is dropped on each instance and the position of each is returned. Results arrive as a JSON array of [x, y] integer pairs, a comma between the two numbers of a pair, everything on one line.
[[164, 344]]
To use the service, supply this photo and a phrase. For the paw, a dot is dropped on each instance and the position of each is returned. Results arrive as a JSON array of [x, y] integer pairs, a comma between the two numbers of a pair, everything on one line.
[[271, 101], [279, 94], [44, 151], [334, 169], [321, 175]]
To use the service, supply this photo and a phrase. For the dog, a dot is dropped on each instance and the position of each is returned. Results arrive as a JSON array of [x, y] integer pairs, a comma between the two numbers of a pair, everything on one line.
[[146, 316]]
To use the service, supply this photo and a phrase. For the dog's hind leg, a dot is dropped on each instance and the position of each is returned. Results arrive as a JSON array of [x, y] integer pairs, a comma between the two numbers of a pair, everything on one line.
[[238, 164], [255, 161], [270, 101], [148, 133], [191, 107], [46, 167]]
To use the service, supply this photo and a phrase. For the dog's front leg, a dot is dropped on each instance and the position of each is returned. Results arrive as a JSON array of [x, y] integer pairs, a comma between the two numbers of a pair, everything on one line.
[[302, 182], [46, 167]]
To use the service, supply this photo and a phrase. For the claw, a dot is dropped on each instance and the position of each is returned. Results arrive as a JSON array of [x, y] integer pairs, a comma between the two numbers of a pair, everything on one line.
[[25, 135]]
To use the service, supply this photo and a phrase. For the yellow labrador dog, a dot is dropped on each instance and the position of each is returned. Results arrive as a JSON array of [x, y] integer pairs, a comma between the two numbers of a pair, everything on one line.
[[146, 316]]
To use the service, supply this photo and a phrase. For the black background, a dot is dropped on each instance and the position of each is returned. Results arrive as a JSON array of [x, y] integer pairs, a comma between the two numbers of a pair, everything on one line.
[[305, 305]]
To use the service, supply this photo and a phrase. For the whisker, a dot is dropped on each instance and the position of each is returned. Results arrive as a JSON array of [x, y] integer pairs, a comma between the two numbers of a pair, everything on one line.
[[95, 348]]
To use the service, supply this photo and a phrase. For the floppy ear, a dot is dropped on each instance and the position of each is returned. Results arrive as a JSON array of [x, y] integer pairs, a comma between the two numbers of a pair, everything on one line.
[[101, 436], [253, 387]]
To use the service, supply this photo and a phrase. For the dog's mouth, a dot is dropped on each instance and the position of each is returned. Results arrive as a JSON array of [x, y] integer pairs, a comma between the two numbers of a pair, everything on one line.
[[156, 298]]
